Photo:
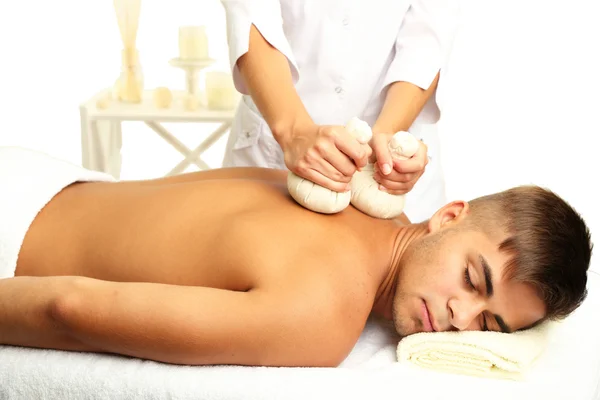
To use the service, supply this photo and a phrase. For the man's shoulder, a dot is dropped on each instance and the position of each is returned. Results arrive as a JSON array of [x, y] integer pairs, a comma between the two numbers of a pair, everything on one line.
[[323, 316]]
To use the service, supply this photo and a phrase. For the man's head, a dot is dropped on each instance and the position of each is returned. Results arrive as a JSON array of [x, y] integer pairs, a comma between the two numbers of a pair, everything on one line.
[[501, 262]]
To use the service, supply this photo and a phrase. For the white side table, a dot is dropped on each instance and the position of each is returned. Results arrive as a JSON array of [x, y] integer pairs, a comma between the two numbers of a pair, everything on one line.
[[101, 136]]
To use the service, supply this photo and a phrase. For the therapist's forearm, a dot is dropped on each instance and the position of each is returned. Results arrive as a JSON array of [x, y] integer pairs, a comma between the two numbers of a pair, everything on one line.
[[267, 75], [403, 103]]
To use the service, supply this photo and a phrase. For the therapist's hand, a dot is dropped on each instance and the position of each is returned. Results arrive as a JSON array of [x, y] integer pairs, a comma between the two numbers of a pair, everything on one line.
[[396, 176], [326, 155]]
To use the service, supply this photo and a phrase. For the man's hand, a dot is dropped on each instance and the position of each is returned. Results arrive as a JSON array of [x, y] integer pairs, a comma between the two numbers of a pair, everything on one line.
[[396, 176], [326, 155]]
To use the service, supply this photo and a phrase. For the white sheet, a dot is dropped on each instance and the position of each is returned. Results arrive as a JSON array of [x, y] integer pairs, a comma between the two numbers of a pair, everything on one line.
[[569, 369], [29, 179]]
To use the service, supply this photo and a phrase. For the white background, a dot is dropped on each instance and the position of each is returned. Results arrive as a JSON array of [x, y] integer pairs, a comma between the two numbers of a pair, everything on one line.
[[520, 100]]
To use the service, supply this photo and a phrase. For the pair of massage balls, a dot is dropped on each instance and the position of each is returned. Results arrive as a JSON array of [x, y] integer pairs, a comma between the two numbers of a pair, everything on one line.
[[364, 191]]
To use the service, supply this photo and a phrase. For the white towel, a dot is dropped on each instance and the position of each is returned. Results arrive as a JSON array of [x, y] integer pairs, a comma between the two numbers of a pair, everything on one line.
[[27, 374], [29, 179], [487, 354]]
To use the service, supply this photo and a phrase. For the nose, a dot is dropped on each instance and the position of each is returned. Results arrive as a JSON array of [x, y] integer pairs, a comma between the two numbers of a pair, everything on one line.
[[463, 313]]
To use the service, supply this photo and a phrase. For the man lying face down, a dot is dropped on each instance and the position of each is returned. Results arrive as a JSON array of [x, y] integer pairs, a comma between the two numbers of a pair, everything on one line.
[[223, 267]]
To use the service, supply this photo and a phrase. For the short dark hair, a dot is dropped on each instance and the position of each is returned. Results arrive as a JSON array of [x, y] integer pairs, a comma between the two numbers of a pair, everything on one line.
[[549, 242]]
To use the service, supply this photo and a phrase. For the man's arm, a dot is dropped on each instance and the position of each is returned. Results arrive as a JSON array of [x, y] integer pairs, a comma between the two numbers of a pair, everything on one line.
[[166, 323]]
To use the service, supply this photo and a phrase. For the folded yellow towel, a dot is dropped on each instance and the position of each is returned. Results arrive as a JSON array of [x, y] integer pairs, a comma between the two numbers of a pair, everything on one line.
[[486, 354]]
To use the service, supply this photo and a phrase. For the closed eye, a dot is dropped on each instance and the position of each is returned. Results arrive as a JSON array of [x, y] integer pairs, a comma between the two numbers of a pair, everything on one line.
[[485, 327], [468, 279]]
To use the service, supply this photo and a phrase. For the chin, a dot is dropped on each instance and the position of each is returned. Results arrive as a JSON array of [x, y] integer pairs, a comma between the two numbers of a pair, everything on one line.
[[405, 322], [402, 330], [404, 325]]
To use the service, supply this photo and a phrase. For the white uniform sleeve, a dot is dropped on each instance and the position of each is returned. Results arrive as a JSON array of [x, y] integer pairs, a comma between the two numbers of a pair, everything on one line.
[[266, 17], [424, 41]]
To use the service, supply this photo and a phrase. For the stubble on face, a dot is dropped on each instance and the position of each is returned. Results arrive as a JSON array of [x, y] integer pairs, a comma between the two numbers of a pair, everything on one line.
[[418, 262]]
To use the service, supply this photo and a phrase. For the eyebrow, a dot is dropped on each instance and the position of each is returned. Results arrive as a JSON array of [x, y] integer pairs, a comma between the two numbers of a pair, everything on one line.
[[489, 290]]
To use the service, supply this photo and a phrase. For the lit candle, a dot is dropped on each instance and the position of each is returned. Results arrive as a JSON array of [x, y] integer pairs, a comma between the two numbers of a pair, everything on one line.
[[220, 91], [193, 43]]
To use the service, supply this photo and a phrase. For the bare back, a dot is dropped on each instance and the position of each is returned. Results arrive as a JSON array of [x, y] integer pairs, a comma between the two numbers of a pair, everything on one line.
[[234, 231]]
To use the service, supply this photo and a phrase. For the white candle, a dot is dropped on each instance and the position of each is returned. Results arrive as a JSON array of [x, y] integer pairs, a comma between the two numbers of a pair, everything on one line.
[[220, 91], [193, 43]]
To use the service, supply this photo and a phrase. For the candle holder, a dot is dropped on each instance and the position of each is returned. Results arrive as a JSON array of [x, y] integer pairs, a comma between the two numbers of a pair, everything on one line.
[[192, 69]]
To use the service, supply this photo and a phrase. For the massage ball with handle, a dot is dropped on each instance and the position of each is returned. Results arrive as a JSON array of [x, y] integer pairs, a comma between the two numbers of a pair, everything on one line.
[[365, 193], [318, 198]]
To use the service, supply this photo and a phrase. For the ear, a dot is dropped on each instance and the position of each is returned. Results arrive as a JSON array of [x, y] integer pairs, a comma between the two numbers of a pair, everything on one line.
[[451, 213]]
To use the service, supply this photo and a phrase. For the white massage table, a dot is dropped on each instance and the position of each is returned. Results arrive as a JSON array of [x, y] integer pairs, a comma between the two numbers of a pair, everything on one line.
[[569, 369]]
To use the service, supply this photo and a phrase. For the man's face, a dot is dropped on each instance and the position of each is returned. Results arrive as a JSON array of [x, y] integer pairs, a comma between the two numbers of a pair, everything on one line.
[[451, 279]]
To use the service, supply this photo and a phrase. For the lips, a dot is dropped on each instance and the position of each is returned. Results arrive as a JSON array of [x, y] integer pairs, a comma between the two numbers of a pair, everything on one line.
[[426, 318]]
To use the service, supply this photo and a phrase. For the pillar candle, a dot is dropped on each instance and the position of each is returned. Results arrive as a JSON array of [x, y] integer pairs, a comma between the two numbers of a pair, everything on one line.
[[193, 43], [220, 91]]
